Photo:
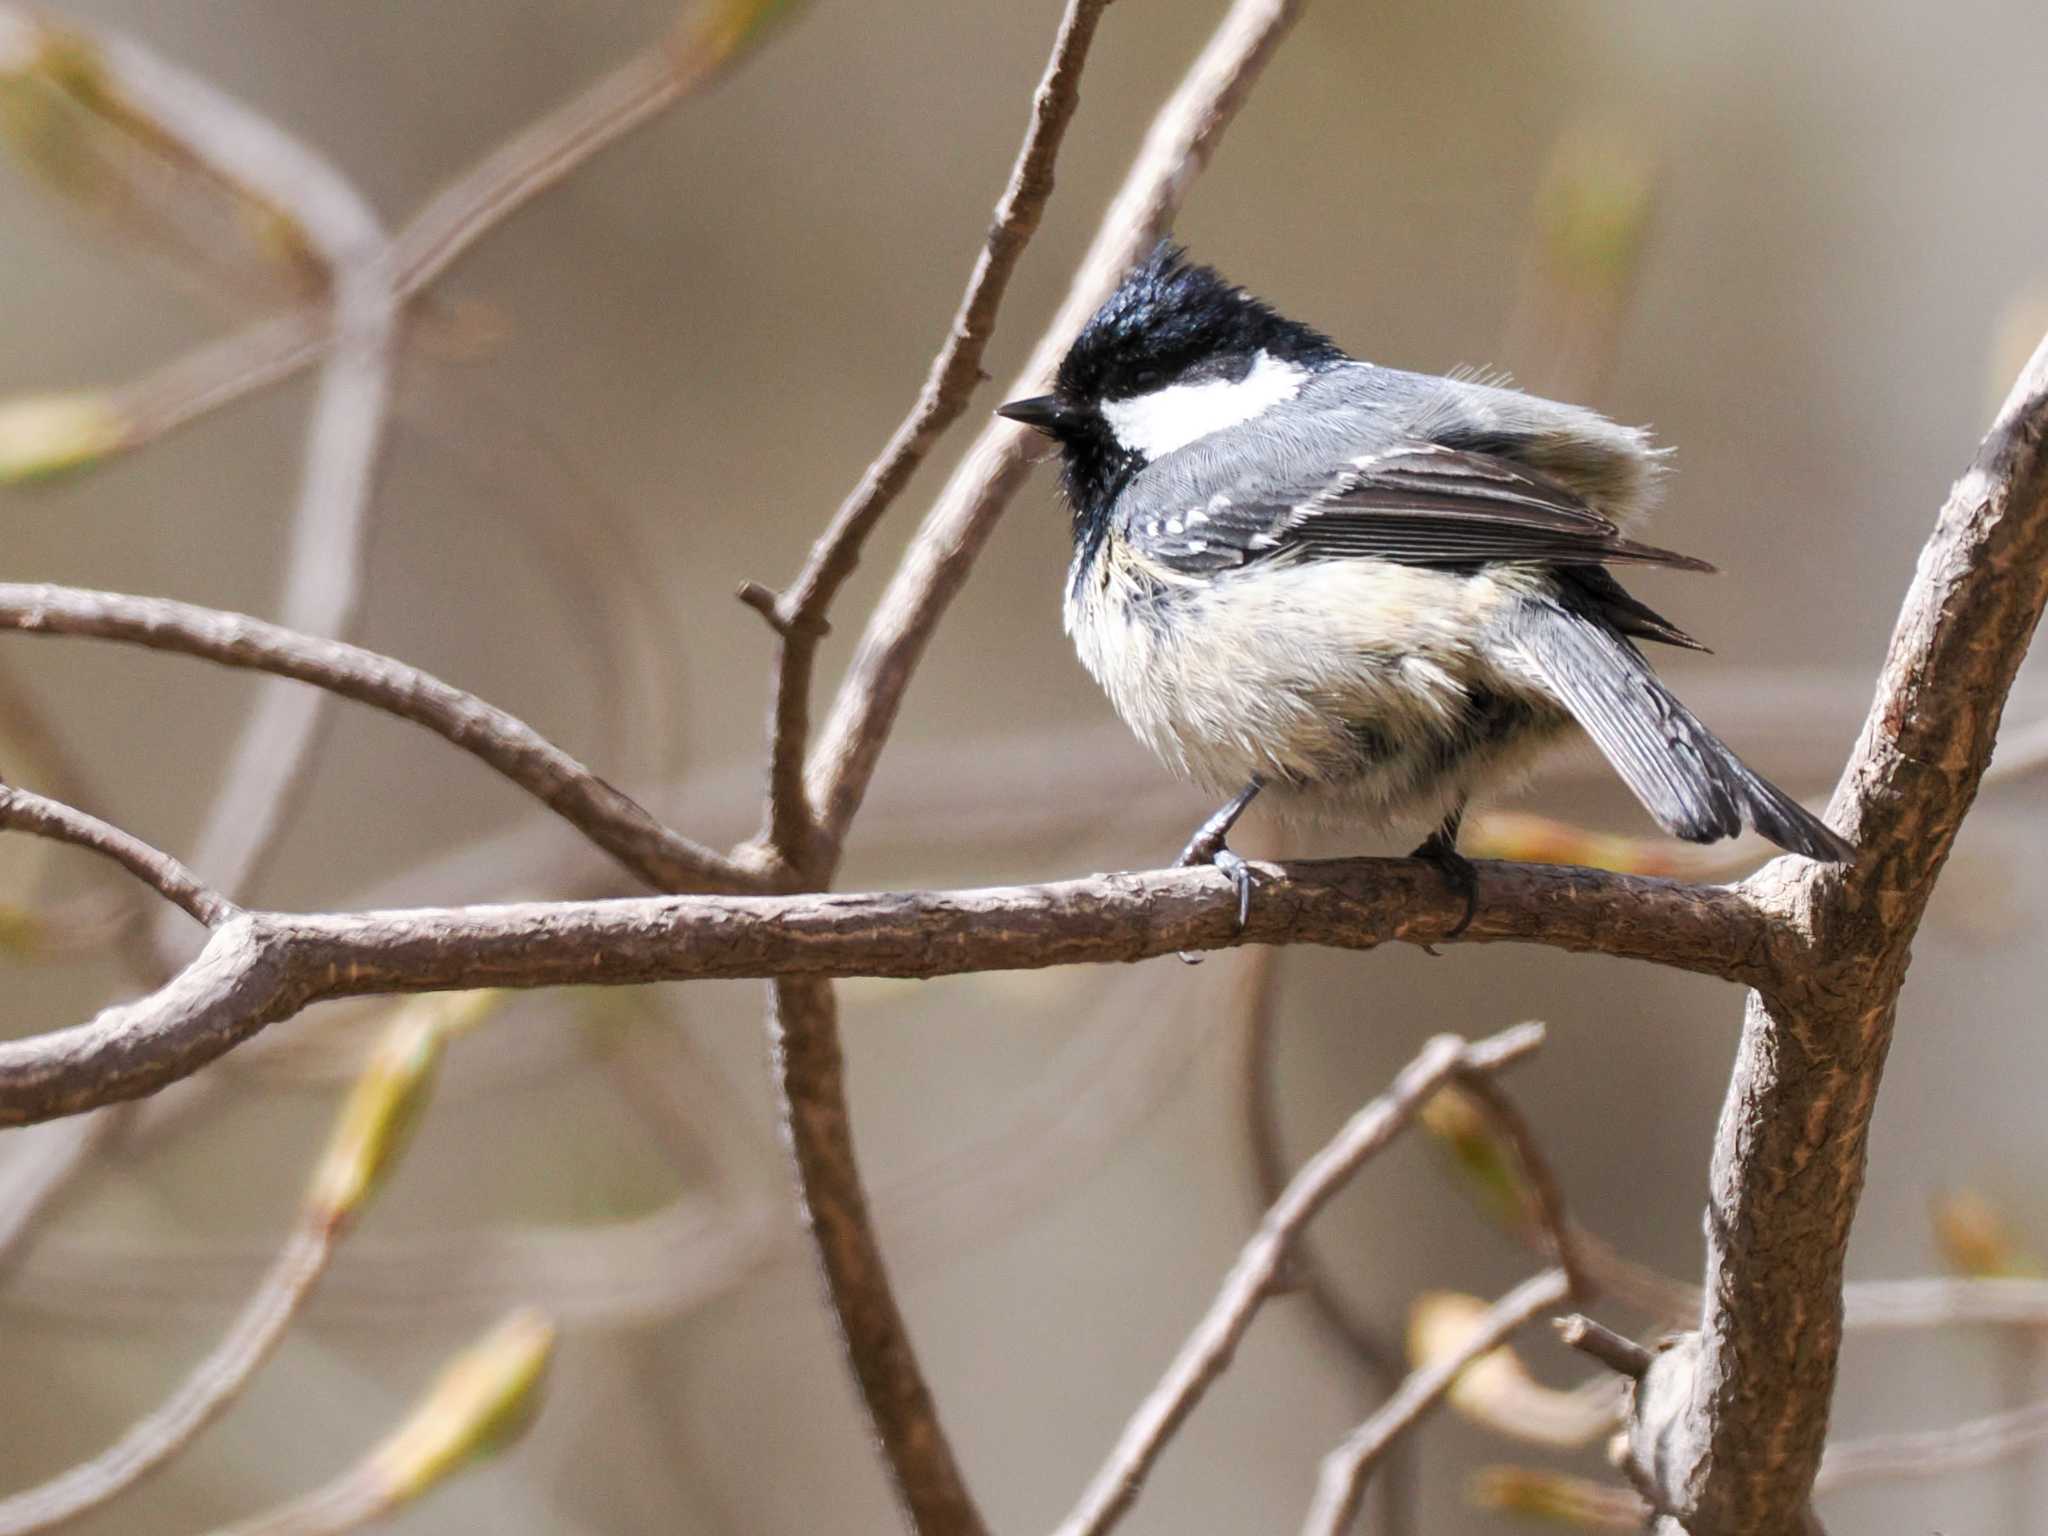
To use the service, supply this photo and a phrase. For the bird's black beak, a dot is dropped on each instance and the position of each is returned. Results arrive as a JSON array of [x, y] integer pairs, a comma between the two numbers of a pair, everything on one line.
[[1042, 413]]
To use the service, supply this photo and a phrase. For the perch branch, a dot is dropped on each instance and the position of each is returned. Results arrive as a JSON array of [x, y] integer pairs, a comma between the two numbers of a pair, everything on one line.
[[263, 967]]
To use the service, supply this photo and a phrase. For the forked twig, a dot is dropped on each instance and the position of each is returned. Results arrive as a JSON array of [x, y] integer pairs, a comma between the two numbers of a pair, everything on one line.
[[1341, 1484], [1253, 1278], [25, 812], [1183, 136]]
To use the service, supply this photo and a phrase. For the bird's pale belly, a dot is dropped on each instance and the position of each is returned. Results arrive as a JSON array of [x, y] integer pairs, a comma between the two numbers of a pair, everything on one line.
[[1358, 690]]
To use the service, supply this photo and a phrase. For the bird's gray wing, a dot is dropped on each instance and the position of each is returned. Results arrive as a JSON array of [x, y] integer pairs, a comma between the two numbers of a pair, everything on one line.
[[1413, 504]]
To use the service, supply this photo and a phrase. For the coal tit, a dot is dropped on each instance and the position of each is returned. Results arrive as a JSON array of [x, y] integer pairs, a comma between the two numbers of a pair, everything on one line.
[[1363, 592]]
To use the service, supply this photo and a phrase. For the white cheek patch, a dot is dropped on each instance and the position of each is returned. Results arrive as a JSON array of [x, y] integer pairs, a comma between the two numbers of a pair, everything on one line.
[[1154, 425]]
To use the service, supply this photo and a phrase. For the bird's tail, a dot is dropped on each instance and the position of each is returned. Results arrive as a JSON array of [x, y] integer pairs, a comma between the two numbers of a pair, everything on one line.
[[1684, 775]]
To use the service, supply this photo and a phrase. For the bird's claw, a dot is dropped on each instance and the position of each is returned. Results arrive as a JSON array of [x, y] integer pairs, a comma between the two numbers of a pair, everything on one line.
[[1240, 874], [1459, 873], [1209, 848]]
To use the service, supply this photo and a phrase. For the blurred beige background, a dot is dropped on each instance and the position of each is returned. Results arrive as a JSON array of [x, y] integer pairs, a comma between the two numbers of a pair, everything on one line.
[[693, 347]]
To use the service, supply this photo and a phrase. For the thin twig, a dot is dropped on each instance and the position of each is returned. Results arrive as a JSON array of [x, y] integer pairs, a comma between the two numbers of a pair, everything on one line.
[[1552, 1221], [536, 158], [25, 812], [664, 858], [330, 523], [446, 227], [1182, 138], [1616, 1351], [1945, 1302], [1927, 1453], [1341, 1484], [1254, 1277], [204, 1395], [483, 1397], [1377, 1354], [799, 616]]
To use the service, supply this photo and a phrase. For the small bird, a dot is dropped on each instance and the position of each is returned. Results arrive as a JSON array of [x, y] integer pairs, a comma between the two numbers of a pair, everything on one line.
[[1361, 592]]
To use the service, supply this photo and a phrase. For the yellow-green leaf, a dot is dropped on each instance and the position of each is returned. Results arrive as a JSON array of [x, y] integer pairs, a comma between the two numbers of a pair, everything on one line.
[[714, 32], [483, 1401], [1557, 1499], [47, 434], [1483, 1165], [1497, 1391]]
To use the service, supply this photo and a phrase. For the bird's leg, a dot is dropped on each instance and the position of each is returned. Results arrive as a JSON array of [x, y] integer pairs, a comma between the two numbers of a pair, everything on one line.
[[1440, 848], [1207, 847]]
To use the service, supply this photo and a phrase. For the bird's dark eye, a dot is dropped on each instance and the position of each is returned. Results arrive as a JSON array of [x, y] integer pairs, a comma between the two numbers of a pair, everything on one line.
[[1147, 378]]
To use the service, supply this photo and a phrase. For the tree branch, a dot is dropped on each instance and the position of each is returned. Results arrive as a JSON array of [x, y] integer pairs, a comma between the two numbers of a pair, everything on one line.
[[1727, 1432], [663, 858], [798, 617], [1182, 138], [803, 1020], [203, 1396], [330, 523], [263, 967], [1342, 1483], [26, 812], [1256, 1274]]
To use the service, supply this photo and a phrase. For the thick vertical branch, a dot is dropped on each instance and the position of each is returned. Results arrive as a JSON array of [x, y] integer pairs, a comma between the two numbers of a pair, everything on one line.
[[811, 1071], [806, 828], [1727, 1432]]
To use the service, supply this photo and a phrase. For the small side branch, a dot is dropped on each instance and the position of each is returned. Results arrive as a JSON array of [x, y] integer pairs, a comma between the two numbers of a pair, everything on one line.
[[1619, 1353], [1255, 1276], [25, 812], [799, 615], [1183, 136], [1345, 1470], [663, 858]]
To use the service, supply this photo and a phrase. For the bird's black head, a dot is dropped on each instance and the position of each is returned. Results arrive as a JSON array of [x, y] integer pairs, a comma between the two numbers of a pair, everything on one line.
[[1177, 351]]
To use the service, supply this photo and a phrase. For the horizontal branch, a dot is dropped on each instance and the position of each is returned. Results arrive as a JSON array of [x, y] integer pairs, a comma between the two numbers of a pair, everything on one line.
[[664, 858], [264, 967]]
